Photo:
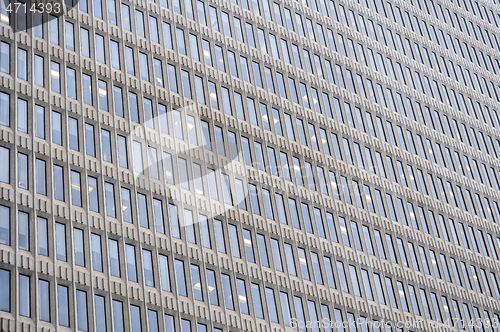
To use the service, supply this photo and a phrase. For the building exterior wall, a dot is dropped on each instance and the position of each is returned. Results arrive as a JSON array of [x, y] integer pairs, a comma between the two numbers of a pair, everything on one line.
[[250, 166]]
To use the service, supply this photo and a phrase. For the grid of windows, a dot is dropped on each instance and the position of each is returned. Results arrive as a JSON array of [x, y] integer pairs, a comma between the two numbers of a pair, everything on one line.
[[324, 153]]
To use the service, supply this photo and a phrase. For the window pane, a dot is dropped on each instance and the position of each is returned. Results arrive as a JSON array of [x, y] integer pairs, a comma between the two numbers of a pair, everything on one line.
[[24, 296], [147, 261], [61, 242], [93, 194], [4, 165], [114, 258], [58, 183], [63, 305], [181, 279], [42, 237], [96, 253], [23, 228], [135, 318], [118, 316], [81, 310], [110, 199], [164, 272], [78, 242], [142, 210], [44, 300], [100, 313], [131, 267], [76, 194]]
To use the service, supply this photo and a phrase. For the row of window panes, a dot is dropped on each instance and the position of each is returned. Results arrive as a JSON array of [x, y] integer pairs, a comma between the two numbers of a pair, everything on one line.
[[385, 294], [360, 236], [161, 79]]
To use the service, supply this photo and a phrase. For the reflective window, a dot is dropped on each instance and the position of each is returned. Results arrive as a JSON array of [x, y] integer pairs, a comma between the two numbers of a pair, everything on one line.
[[96, 253], [197, 283], [135, 318], [118, 316], [131, 265], [109, 193], [44, 297], [81, 310], [60, 230], [63, 305], [114, 258], [23, 228], [181, 278], [147, 261], [164, 272], [24, 296], [100, 313], [42, 234]]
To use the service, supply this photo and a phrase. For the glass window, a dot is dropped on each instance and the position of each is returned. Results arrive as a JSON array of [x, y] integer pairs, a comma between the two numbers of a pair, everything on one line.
[[74, 143], [164, 272], [76, 194], [103, 95], [96, 253], [129, 60], [41, 174], [261, 241], [40, 121], [169, 323], [181, 278], [135, 318], [109, 194], [178, 124], [219, 234], [63, 305], [57, 128], [22, 170], [290, 259], [197, 284], [189, 224], [233, 237], [58, 183], [5, 58], [121, 142], [143, 62], [257, 301], [118, 316], [153, 321], [186, 84], [147, 261], [81, 310], [183, 173], [89, 140], [114, 258], [5, 165], [5, 290], [39, 78], [172, 78], [44, 300], [131, 265], [22, 64], [23, 228], [212, 287], [22, 115], [24, 296], [42, 232], [61, 241], [174, 221], [142, 210], [100, 313], [247, 239]]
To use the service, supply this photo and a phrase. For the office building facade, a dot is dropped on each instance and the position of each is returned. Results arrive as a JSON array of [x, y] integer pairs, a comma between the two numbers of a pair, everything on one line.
[[253, 165]]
